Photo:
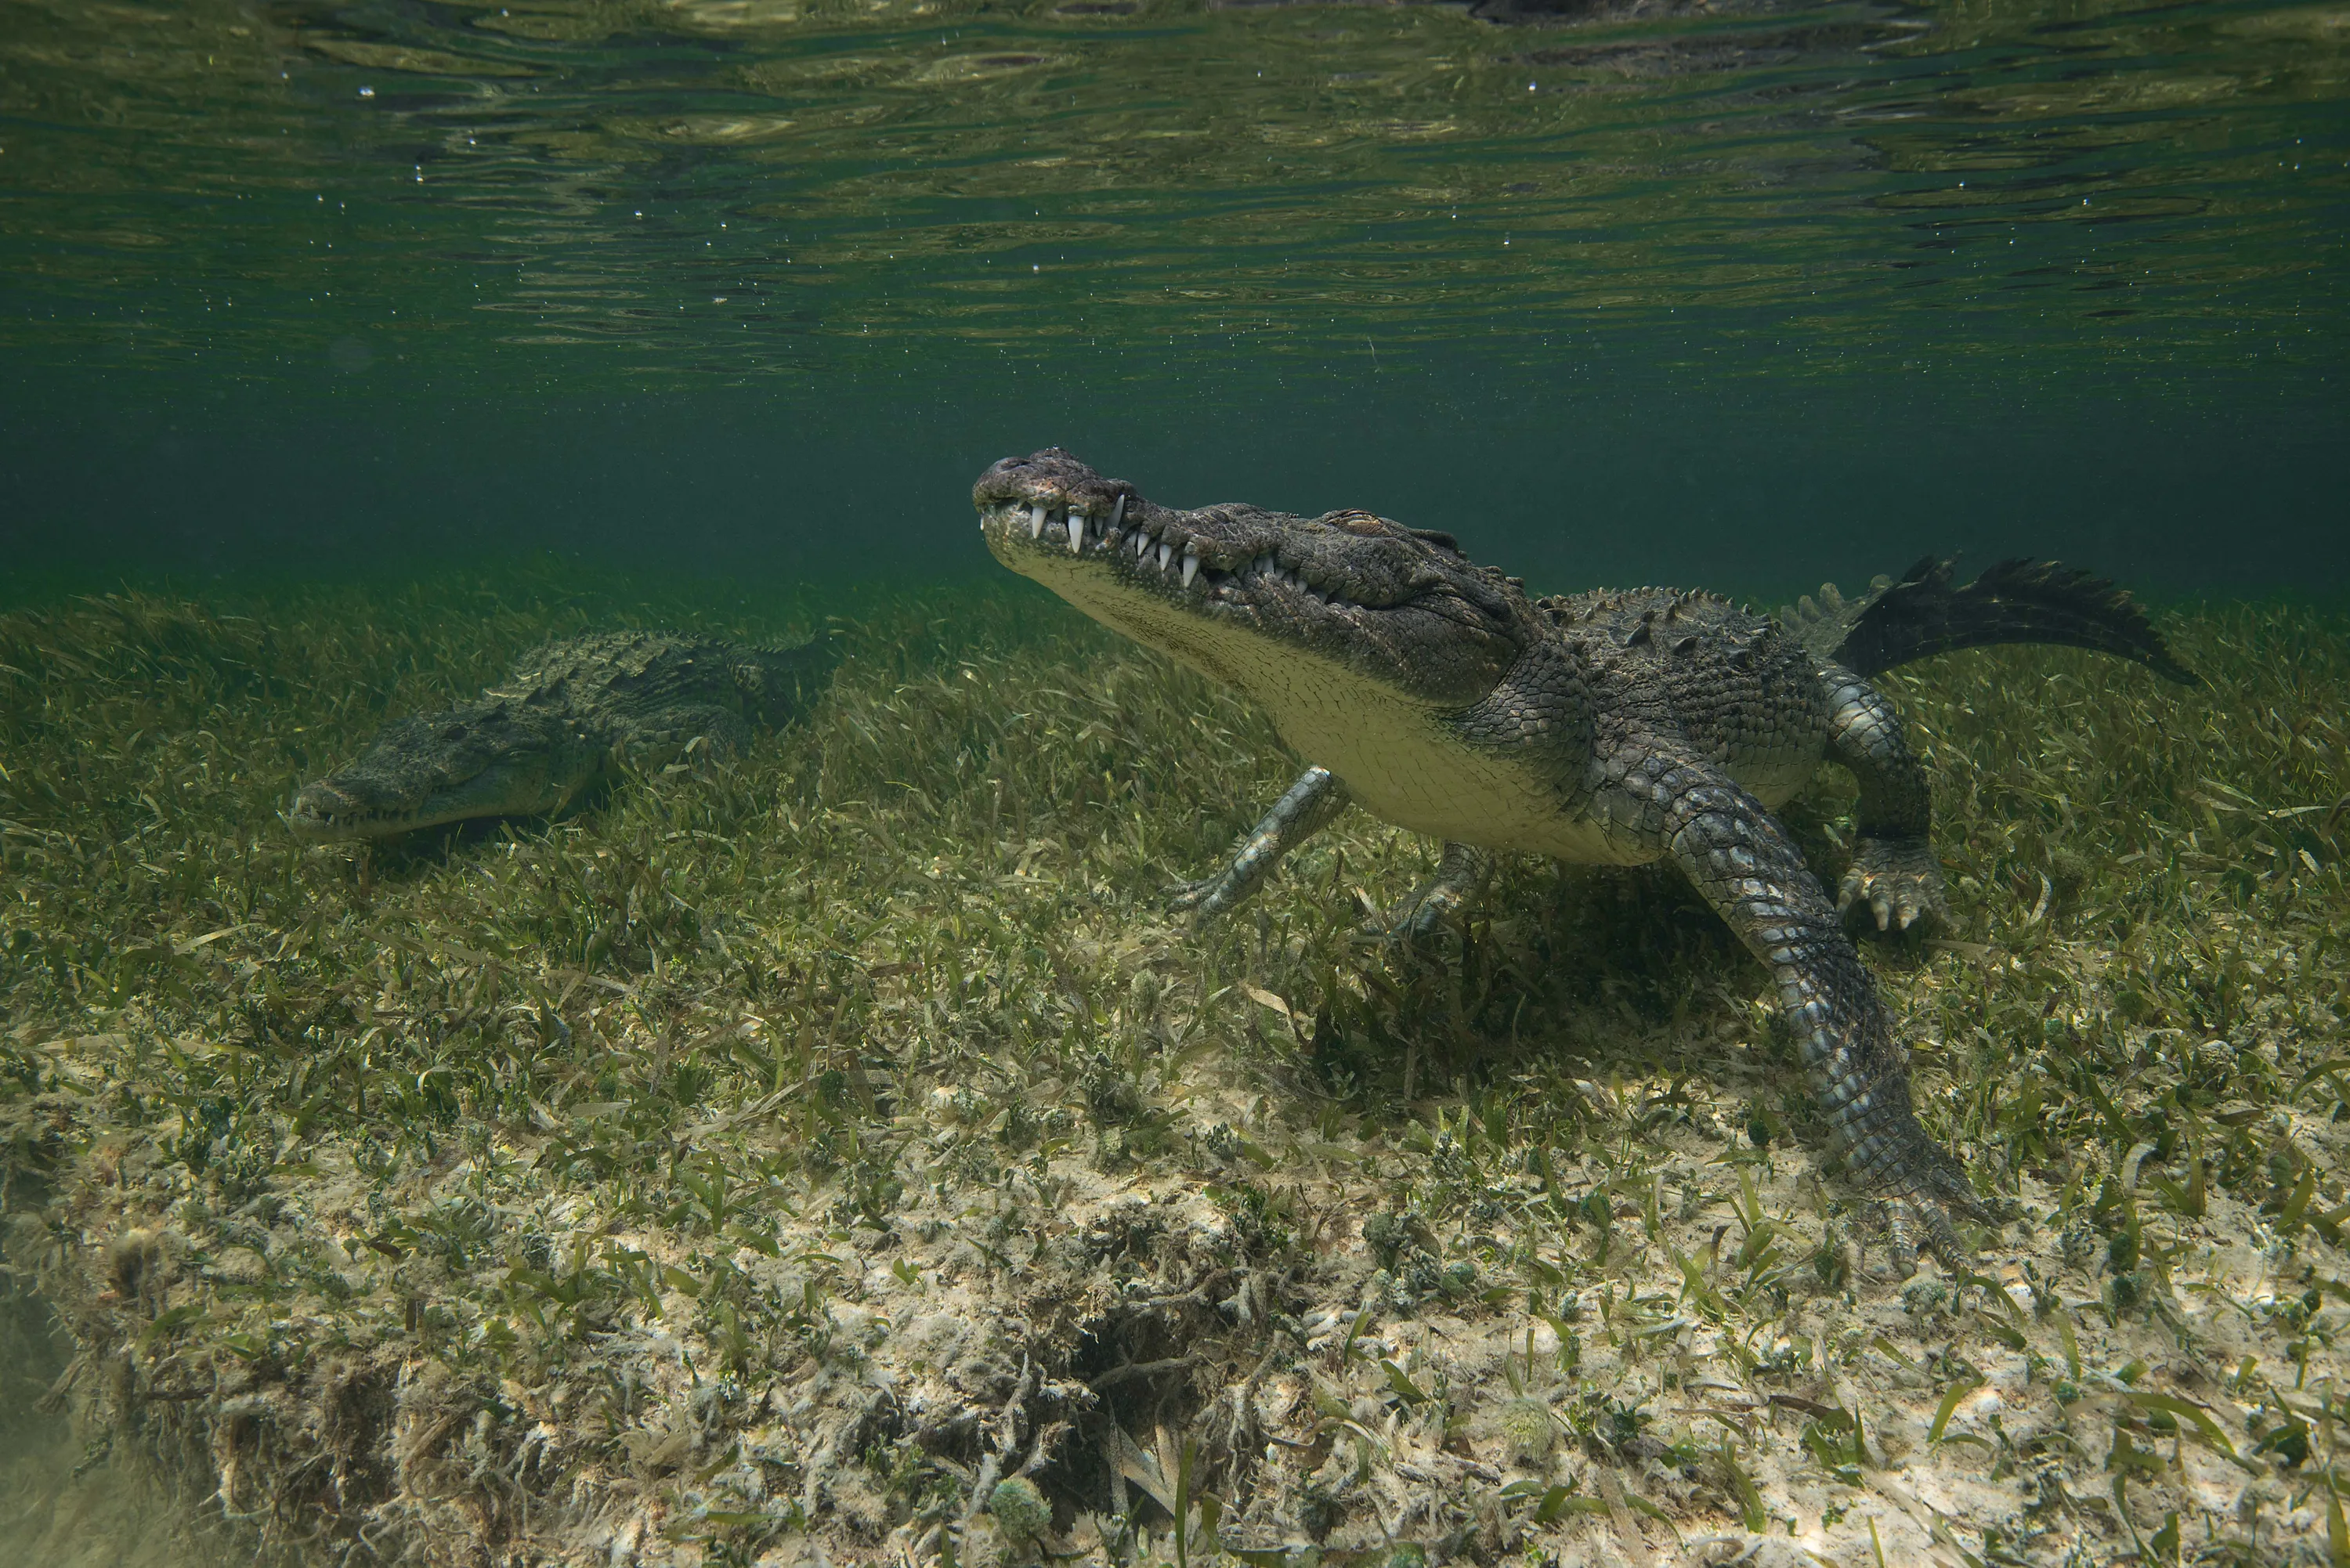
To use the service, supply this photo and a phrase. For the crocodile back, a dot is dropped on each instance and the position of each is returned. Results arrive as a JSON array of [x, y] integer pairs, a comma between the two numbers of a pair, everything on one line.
[[625, 681], [1741, 692]]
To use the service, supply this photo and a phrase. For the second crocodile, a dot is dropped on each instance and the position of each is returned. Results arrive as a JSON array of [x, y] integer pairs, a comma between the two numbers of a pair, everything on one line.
[[1603, 728], [567, 716]]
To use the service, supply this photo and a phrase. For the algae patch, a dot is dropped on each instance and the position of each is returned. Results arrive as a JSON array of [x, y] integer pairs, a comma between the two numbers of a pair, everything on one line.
[[837, 1148]]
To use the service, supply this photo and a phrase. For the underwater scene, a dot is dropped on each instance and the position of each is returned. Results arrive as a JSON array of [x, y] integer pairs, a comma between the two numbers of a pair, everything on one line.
[[886, 781]]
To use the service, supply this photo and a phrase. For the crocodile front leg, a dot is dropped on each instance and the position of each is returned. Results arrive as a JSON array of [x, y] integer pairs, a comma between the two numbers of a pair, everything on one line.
[[1308, 806], [1743, 861], [1894, 877], [1459, 885]]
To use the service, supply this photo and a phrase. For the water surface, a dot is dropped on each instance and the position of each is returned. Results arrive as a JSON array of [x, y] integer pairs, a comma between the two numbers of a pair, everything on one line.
[[1611, 290]]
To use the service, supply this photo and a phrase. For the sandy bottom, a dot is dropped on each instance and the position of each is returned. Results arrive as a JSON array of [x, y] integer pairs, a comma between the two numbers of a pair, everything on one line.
[[840, 1153]]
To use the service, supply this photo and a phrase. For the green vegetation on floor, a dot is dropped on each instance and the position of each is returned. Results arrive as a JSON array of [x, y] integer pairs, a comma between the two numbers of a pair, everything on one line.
[[840, 1144]]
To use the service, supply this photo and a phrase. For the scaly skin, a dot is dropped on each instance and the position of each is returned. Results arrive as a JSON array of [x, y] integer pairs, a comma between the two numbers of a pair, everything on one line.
[[1608, 727], [569, 714]]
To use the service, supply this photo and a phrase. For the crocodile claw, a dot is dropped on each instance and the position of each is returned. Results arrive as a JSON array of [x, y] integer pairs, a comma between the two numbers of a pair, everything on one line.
[[1424, 920], [1209, 896], [1425, 916], [1897, 883], [1909, 1225], [1923, 1219], [1439, 904]]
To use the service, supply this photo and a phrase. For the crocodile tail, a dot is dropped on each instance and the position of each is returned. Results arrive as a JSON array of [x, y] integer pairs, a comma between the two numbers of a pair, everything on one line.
[[1923, 613]]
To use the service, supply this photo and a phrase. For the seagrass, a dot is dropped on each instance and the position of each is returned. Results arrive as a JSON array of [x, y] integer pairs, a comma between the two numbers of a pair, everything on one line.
[[839, 1147]]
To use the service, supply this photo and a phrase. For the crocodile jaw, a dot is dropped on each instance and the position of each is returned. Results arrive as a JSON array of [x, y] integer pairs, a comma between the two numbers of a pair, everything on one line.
[[1370, 686], [429, 772], [1243, 595], [1193, 612], [349, 809]]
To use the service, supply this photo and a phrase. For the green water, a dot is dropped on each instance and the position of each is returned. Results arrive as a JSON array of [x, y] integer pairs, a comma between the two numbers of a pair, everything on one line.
[[1748, 294], [724, 303]]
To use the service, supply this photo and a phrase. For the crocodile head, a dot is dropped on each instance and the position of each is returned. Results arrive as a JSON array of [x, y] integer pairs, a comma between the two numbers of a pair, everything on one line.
[[1373, 648], [491, 758], [1252, 598]]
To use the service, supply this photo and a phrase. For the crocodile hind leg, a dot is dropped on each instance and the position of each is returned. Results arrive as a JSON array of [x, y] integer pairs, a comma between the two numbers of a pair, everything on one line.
[[1747, 867], [1894, 879], [1308, 806]]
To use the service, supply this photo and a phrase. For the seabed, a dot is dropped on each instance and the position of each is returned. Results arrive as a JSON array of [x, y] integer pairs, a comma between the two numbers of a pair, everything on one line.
[[838, 1153]]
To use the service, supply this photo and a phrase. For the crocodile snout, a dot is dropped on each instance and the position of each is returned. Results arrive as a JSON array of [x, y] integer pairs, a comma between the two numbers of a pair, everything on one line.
[[321, 814]]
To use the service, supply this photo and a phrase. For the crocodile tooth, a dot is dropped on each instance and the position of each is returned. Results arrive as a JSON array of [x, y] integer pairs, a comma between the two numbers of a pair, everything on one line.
[[1190, 567], [1076, 531], [1117, 512], [1037, 521], [1166, 554], [1141, 544]]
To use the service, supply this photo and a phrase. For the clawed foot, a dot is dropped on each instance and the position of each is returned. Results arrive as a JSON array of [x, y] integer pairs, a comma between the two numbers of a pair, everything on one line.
[[1924, 1218], [1897, 883], [1440, 904], [1209, 896], [1428, 913]]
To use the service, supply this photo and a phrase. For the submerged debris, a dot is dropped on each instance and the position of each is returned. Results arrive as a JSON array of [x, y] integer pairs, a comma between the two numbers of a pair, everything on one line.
[[838, 1148]]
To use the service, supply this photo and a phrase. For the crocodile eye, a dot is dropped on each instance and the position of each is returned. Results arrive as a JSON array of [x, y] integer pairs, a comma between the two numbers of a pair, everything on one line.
[[453, 732]]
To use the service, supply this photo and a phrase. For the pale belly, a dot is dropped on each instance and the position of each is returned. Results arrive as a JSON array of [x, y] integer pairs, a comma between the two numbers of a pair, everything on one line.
[[1492, 805], [1400, 763], [1394, 756]]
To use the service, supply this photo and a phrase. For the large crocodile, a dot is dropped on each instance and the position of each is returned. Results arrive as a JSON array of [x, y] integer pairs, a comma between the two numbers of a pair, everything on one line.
[[1614, 728], [567, 715]]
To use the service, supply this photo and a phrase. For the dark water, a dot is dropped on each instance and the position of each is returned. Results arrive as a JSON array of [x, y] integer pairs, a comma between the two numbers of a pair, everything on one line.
[[1749, 295]]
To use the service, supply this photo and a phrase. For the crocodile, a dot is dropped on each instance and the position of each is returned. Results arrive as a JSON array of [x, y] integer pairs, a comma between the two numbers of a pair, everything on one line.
[[569, 714], [1618, 728]]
